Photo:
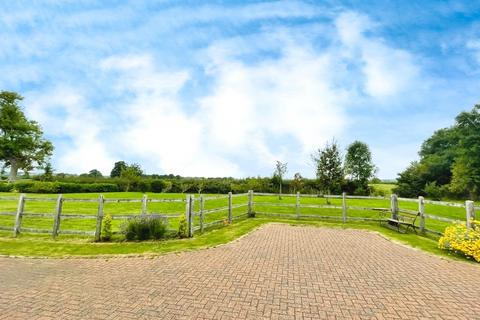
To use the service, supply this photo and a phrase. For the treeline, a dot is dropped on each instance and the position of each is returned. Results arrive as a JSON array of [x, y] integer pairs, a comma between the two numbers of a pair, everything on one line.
[[335, 174], [449, 165]]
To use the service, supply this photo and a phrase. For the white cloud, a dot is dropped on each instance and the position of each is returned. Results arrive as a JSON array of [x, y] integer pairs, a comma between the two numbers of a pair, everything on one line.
[[388, 71], [64, 114]]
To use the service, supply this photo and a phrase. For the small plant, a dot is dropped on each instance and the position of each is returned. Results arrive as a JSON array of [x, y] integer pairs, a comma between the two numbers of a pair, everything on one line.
[[458, 238], [107, 227], [183, 228], [144, 228]]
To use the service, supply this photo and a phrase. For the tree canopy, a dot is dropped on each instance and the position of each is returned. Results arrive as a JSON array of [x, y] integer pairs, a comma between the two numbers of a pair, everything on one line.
[[22, 145], [329, 168], [449, 161]]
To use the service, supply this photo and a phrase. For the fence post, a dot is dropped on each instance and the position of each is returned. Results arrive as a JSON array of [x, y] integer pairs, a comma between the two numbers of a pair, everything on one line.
[[98, 228], [250, 203], [144, 204], [56, 217], [230, 207], [421, 210], [469, 205], [394, 206], [297, 205], [18, 217], [191, 214], [344, 207], [202, 208]]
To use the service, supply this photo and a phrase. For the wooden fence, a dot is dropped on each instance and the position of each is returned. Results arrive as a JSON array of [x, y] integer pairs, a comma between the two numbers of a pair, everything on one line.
[[201, 213]]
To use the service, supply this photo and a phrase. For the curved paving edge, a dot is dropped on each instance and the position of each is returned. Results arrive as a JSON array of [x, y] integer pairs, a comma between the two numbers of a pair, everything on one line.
[[277, 271]]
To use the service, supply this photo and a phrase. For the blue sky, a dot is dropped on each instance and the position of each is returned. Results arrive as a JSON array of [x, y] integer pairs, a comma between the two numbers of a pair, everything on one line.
[[226, 88]]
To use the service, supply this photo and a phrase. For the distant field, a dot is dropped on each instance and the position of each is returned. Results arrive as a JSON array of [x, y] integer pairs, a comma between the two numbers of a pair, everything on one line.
[[263, 204], [383, 187]]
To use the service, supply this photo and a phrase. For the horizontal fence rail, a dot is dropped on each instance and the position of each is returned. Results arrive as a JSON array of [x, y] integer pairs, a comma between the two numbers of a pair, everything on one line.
[[223, 209]]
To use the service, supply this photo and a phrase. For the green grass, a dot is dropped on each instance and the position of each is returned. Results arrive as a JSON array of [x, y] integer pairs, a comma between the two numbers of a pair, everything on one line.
[[31, 244], [386, 188], [42, 245]]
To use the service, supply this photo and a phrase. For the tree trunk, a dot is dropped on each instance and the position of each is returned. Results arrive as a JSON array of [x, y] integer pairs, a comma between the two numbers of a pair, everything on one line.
[[13, 171], [280, 191]]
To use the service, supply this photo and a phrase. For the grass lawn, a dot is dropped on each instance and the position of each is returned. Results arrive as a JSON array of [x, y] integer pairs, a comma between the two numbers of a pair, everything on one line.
[[43, 245], [386, 188]]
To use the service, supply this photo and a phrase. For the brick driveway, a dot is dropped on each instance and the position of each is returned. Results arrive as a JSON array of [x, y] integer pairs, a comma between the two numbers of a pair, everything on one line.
[[279, 272]]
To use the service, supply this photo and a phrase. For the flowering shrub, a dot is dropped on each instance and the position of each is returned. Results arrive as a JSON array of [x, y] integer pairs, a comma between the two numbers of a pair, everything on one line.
[[458, 238]]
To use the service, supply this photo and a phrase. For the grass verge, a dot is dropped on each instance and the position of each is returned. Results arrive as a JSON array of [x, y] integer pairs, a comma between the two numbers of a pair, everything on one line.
[[44, 246]]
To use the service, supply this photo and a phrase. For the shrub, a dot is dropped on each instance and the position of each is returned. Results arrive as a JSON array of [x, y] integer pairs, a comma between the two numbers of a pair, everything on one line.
[[157, 185], [433, 191], [144, 228], [144, 186], [183, 228], [107, 227], [458, 238], [6, 187]]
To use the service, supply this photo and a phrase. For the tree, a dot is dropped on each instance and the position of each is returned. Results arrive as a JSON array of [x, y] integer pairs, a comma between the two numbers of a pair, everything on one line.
[[117, 169], [22, 145], [329, 168], [297, 182], [280, 170], [358, 164], [48, 173], [95, 173], [131, 174]]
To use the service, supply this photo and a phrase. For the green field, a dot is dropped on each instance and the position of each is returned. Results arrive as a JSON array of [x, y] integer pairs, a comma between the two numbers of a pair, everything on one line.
[[41, 244], [385, 188]]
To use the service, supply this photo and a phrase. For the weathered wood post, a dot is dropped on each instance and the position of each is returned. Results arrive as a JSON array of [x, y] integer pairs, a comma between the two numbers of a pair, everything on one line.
[[18, 216], [297, 205], [98, 227], [344, 207], [394, 206], [202, 208], [469, 205], [144, 204], [191, 214], [250, 204], [56, 217], [230, 207], [421, 210]]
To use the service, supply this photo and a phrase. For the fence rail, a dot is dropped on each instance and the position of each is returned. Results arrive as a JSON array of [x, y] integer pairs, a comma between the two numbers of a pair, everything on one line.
[[225, 214]]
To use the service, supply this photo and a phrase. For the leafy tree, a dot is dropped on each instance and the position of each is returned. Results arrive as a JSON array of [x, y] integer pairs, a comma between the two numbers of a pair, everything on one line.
[[297, 182], [450, 159], [48, 173], [22, 145], [466, 169], [117, 169], [358, 165], [280, 170], [329, 168], [131, 174], [95, 173]]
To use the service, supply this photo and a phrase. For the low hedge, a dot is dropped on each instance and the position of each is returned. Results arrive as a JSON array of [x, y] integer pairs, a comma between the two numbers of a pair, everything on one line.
[[62, 187]]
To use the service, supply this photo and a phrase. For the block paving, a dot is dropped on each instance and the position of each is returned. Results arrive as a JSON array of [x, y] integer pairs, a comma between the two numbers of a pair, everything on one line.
[[276, 272]]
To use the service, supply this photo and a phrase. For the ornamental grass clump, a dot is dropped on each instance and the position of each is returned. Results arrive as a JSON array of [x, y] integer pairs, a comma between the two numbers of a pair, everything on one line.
[[458, 238], [145, 228], [107, 227]]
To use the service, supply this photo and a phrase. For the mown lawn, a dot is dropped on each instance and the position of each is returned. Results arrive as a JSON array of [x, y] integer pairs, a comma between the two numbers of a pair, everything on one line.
[[43, 245]]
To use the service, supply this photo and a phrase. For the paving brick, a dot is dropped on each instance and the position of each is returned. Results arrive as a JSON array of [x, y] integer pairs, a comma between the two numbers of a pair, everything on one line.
[[276, 272]]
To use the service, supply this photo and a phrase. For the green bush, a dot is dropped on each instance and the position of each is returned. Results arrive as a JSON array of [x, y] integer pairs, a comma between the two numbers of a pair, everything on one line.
[[144, 228], [183, 228], [157, 186], [6, 187], [107, 227], [62, 187], [144, 186]]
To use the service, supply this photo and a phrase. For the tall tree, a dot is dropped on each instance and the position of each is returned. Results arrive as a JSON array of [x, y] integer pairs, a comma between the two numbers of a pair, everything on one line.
[[329, 168], [358, 164], [280, 170], [22, 145], [118, 167], [95, 173], [297, 182]]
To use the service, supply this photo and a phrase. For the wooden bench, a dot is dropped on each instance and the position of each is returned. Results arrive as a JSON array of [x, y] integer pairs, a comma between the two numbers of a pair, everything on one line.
[[404, 218]]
